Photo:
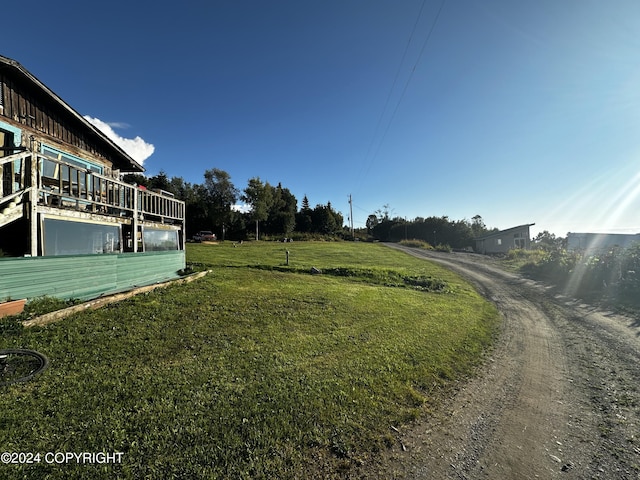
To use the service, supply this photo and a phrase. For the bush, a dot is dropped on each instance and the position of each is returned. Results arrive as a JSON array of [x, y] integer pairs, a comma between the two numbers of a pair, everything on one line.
[[443, 247], [526, 255], [309, 237], [415, 243], [612, 274]]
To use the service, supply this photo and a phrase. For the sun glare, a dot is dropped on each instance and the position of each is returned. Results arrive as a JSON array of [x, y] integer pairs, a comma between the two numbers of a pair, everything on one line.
[[607, 203]]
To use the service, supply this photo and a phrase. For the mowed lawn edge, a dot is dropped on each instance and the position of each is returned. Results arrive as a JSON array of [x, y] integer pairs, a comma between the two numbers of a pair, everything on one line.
[[257, 370]]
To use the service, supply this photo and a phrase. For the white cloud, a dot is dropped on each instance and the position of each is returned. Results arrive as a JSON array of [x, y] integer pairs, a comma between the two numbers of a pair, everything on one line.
[[242, 208], [137, 148]]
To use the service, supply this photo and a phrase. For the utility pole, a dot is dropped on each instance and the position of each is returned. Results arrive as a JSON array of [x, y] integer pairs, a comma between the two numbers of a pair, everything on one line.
[[351, 215]]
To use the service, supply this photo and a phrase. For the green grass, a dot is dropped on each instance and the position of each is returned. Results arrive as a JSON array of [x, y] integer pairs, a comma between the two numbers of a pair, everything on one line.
[[255, 371]]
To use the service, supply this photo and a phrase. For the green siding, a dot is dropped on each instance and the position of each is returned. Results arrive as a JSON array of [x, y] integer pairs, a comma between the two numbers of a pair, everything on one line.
[[145, 268], [85, 276]]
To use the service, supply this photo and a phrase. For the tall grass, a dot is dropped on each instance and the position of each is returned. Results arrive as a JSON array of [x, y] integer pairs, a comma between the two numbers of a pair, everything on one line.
[[257, 370], [415, 243]]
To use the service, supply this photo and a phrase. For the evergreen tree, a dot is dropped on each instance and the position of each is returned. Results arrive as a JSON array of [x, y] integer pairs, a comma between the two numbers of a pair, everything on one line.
[[325, 220], [305, 205], [160, 182], [304, 223]]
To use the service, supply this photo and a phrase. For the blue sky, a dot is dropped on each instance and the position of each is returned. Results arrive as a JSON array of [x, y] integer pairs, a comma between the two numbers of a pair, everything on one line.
[[519, 111]]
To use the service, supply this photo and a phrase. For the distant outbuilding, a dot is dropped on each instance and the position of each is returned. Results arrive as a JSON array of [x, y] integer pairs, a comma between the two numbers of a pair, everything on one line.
[[504, 240], [600, 242]]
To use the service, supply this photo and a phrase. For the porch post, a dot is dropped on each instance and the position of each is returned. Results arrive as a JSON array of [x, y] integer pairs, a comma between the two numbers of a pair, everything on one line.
[[33, 203], [183, 209], [134, 221]]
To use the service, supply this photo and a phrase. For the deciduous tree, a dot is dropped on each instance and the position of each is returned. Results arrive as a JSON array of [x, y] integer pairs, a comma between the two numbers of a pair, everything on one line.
[[281, 218], [259, 196], [372, 221], [221, 195]]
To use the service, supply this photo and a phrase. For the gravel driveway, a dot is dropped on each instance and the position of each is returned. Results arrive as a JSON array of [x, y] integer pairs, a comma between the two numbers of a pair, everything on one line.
[[558, 398]]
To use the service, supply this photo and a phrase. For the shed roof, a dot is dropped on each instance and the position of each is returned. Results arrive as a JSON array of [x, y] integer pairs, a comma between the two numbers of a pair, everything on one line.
[[121, 159], [503, 232]]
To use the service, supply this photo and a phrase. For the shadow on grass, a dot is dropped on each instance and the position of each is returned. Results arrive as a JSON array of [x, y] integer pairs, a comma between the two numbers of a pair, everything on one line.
[[384, 277]]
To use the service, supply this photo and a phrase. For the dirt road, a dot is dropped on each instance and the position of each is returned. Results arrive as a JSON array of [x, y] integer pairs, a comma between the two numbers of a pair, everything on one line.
[[559, 397]]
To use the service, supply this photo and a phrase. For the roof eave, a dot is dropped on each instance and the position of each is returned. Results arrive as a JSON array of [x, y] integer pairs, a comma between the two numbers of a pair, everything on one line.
[[493, 234], [135, 166]]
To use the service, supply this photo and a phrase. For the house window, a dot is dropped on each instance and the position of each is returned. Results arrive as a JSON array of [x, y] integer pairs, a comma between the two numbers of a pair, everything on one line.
[[159, 240], [50, 169], [6, 170], [16, 134], [498, 241], [65, 237], [520, 243]]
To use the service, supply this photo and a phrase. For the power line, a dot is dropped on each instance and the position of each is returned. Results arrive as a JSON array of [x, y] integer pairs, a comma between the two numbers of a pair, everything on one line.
[[406, 85], [395, 80]]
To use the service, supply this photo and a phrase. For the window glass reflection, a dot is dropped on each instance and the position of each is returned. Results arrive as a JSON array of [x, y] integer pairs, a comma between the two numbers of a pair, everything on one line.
[[62, 237], [156, 240]]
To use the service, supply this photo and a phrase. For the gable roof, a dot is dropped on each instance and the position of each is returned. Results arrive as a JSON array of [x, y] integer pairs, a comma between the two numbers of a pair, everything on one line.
[[121, 159]]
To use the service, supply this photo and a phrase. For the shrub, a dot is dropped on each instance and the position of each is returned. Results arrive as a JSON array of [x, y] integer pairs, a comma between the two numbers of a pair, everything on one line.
[[310, 237], [443, 247], [526, 255], [612, 274], [415, 243]]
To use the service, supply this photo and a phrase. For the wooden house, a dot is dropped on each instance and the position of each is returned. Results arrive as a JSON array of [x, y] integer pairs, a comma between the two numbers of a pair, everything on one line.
[[69, 226], [505, 240]]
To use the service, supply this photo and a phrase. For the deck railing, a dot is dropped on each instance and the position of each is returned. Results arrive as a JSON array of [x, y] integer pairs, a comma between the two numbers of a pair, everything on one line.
[[13, 178], [66, 186]]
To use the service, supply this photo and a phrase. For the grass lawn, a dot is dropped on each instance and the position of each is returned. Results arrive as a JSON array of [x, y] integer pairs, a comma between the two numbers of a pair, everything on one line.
[[258, 370]]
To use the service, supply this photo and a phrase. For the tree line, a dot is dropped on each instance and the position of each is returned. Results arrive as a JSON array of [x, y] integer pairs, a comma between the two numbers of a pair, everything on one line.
[[272, 210], [458, 234]]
